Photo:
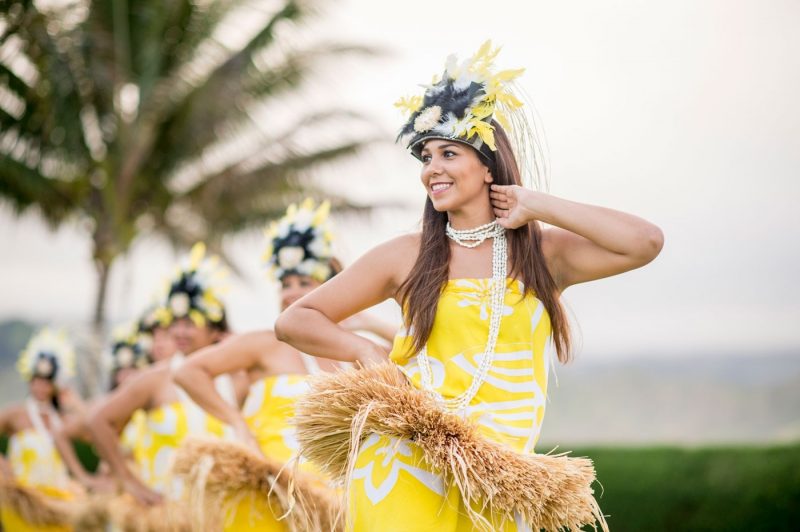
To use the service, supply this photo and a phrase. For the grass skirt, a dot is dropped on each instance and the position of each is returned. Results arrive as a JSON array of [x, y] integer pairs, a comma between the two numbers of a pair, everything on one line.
[[550, 492]]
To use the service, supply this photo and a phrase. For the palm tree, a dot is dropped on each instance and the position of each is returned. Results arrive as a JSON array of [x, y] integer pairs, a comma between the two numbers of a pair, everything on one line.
[[139, 118]]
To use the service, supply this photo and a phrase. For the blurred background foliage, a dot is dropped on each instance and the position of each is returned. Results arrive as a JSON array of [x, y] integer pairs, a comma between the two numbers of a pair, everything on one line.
[[163, 118]]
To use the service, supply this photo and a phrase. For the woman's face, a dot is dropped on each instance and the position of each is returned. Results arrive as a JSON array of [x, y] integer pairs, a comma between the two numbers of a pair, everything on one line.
[[42, 389], [163, 344], [294, 286], [188, 337], [453, 175]]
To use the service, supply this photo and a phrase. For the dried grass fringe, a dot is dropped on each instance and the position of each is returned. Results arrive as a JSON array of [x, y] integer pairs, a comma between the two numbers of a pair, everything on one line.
[[33, 506], [215, 470], [549, 492], [122, 513]]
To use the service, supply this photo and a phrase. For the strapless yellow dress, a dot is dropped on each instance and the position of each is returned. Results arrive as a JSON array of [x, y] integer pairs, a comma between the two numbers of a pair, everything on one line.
[[392, 488]]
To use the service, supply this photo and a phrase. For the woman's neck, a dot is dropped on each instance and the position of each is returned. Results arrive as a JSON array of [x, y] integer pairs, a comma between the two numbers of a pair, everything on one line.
[[467, 218]]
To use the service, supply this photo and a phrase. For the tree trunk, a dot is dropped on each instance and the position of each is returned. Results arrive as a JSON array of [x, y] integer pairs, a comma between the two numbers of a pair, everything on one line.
[[91, 369]]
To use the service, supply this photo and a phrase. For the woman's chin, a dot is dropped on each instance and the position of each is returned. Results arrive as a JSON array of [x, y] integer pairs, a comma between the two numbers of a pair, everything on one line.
[[441, 204]]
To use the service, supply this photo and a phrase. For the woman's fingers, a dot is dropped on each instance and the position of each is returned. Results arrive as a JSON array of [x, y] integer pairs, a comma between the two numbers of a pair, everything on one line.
[[500, 204], [500, 213]]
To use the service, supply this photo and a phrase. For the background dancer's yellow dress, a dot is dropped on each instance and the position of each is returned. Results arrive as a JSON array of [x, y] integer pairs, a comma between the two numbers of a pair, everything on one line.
[[36, 464], [390, 476], [268, 410], [167, 426]]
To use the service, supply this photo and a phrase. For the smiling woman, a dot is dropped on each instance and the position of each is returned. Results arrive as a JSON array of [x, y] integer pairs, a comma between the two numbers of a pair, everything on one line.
[[444, 434]]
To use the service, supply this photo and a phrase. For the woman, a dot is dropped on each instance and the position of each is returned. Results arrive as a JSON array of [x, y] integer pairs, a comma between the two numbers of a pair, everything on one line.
[[299, 257], [33, 465], [479, 288], [196, 318]]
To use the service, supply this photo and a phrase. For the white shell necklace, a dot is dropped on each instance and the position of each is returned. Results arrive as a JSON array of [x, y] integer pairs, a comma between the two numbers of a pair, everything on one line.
[[471, 238]]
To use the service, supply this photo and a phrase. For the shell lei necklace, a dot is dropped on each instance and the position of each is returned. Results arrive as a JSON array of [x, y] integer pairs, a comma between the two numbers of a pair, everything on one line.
[[471, 238]]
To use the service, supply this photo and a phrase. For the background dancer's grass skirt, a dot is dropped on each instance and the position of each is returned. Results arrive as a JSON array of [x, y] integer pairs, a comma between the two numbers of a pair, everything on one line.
[[219, 474]]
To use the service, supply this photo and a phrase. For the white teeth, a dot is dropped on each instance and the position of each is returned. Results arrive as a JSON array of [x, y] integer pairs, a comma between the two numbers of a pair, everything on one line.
[[440, 186]]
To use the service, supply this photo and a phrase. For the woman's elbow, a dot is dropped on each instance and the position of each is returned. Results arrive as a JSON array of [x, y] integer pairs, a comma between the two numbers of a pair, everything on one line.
[[283, 326], [652, 243], [182, 375]]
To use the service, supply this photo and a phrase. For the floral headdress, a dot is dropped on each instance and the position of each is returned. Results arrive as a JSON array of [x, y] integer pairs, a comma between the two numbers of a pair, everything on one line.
[[48, 355], [127, 350], [195, 290], [461, 104], [151, 319], [301, 242]]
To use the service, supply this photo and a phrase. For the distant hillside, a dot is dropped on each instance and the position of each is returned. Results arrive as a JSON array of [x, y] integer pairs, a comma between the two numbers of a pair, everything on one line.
[[701, 400], [14, 334]]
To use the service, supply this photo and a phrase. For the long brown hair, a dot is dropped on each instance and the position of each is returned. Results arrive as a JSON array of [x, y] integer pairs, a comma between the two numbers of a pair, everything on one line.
[[419, 293]]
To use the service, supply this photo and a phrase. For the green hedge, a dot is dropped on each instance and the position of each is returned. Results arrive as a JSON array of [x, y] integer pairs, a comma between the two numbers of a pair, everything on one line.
[[723, 488], [672, 489]]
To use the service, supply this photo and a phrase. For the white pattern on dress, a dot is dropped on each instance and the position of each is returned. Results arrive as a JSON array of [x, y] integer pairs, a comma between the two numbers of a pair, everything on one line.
[[393, 453]]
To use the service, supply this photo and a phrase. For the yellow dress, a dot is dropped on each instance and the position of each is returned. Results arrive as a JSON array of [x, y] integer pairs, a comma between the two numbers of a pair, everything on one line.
[[37, 464], [268, 411], [392, 488], [165, 429]]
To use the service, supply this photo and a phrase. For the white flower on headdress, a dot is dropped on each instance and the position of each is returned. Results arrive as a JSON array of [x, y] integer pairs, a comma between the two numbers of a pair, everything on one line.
[[290, 257], [428, 119], [179, 304], [318, 246], [54, 343], [43, 367], [125, 356], [307, 267], [145, 340]]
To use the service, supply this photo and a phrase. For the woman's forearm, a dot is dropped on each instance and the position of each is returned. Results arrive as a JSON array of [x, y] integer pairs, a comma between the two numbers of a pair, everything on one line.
[[107, 446], [613, 230], [200, 387], [67, 451], [310, 331]]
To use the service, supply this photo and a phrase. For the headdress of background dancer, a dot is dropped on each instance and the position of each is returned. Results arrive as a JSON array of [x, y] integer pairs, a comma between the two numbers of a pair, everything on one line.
[[195, 290], [300, 243], [48, 355]]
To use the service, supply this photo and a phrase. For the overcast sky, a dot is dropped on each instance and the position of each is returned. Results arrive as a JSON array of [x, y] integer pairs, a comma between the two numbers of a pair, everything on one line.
[[683, 112]]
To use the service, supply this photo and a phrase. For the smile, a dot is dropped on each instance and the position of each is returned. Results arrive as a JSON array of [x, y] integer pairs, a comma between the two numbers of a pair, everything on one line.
[[437, 188]]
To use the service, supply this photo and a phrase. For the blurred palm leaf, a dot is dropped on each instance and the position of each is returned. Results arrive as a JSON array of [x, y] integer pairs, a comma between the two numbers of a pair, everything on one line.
[[141, 118]]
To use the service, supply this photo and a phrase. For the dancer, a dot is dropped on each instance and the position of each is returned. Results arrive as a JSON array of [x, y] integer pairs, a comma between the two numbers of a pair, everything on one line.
[[479, 288], [127, 357], [196, 318], [299, 255], [34, 481]]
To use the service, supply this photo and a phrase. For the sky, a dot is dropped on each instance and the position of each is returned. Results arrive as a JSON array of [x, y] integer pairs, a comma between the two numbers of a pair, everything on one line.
[[685, 113]]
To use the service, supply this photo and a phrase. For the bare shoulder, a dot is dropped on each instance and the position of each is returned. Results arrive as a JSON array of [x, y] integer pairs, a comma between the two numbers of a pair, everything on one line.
[[398, 255], [11, 418]]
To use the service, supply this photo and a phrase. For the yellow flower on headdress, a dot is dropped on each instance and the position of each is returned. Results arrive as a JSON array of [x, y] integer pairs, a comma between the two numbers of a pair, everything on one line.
[[48, 354], [300, 242]]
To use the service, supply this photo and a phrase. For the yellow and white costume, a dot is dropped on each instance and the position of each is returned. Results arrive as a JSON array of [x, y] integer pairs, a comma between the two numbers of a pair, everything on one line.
[[32, 452], [390, 476], [36, 464], [167, 426], [269, 411]]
